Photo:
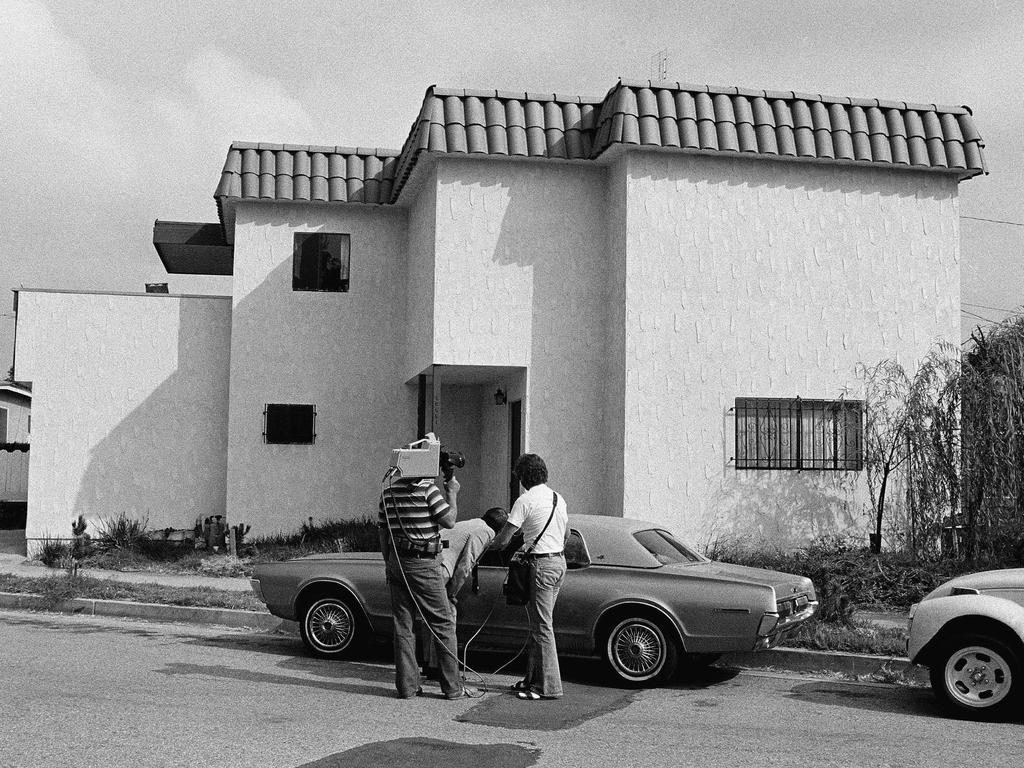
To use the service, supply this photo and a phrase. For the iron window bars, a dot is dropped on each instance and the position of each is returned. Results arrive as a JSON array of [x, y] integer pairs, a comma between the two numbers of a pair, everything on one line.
[[783, 433], [289, 424], [321, 262]]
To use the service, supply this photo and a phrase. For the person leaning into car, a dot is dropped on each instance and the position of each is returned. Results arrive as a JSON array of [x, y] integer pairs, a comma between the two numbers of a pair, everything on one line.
[[531, 513], [415, 511]]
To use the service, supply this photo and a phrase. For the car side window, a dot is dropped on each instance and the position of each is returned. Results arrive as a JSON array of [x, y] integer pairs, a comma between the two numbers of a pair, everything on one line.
[[576, 553]]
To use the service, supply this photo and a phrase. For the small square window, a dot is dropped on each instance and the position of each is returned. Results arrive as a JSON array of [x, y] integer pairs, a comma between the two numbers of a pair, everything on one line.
[[289, 424], [320, 262]]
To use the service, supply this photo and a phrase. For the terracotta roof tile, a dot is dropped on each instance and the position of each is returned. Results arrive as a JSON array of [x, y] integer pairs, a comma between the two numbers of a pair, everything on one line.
[[693, 117]]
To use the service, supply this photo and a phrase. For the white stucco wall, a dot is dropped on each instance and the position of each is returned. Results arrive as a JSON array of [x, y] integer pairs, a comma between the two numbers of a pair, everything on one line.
[[343, 352], [767, 279], [422, 219], [521, 280], [129, 407]]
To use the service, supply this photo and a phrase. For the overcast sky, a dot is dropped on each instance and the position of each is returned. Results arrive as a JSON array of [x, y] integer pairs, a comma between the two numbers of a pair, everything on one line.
[[114, 114]]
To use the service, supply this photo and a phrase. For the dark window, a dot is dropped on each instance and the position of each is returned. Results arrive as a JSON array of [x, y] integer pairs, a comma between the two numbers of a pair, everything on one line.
[[291, 424], [777, 433], [3, 425], [666, 548], [321, 262]]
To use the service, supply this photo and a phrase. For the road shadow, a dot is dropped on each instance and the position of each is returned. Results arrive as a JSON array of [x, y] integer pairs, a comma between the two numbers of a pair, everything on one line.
[[919, 702], [41, 621], [422, 751], [376, 679]]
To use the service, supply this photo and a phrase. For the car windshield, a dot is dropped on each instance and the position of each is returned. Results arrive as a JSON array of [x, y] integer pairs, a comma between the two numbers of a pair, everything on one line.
[[666, 548]]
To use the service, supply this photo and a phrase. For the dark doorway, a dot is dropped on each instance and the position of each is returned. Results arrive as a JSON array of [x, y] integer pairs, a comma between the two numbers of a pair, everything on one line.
[[515, 434]]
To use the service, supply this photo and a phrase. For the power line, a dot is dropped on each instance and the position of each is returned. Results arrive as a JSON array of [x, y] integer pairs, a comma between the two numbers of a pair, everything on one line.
[[972, 314], [996, 309], [994, 221]]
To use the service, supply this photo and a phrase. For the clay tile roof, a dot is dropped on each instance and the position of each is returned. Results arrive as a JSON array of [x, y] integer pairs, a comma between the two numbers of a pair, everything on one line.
[[550, 126]]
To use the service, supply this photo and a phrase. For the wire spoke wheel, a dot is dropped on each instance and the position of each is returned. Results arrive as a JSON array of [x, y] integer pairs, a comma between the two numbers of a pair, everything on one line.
[[329, 626], [638, 651], [976, 676]]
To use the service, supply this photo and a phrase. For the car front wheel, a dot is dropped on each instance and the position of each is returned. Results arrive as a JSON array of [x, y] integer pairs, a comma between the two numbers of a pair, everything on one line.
[[977, 676], [640, 652], [329, 628]]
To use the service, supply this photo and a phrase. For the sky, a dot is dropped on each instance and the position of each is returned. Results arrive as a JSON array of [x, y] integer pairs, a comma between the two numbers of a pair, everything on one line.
[[115, 114]]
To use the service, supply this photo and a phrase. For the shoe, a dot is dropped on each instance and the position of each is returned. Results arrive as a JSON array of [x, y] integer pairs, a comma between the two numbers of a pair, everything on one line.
[[528, 696], [465, 693], [520, 686], [419, 692]]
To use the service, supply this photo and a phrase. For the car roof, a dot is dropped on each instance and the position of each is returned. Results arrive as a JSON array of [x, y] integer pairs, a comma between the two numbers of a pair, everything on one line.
[[610, 540]]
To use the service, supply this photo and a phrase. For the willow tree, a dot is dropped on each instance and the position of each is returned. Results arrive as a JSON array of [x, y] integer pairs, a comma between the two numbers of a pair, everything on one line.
[[912, 443], [992, 387]]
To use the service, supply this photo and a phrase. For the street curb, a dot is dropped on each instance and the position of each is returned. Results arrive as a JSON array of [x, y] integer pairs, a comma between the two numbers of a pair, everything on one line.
[[225, 617], [859, 665]]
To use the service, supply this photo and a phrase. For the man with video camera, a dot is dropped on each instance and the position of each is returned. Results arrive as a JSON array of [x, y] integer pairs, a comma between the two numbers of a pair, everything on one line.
[[412, 513]]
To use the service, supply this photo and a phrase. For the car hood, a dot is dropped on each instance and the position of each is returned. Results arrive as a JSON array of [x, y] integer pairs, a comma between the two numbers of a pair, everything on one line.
[[1004, 579], [784, 584]]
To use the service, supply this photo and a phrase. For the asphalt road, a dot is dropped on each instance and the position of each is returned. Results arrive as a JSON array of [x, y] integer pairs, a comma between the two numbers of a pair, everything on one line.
[[78, 691]]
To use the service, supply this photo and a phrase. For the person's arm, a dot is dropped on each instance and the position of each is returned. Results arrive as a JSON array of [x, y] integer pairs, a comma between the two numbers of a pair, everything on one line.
[[451, 488], [441, 512], [504, 536]]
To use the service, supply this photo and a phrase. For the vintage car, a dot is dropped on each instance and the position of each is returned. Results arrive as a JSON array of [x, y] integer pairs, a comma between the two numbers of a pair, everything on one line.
[[634, 595], [969, 632]]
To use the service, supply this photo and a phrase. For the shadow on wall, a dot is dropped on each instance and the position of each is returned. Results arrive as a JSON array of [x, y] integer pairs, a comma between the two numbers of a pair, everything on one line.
[[165, 461], [555, 224], [785, 508]]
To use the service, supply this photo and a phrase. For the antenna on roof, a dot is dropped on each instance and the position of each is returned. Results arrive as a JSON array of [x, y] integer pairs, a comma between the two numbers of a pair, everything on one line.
[[659, 65]]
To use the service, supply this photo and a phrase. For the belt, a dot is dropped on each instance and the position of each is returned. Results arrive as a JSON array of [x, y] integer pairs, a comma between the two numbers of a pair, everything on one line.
[[418, 555], [544, 554]]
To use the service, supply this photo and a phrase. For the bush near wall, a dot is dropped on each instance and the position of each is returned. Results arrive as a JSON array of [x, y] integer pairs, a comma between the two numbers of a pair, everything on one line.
[[847, 577]]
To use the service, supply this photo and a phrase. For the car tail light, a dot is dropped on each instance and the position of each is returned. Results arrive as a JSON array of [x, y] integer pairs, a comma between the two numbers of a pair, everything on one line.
[[768, 623], [784, 607]]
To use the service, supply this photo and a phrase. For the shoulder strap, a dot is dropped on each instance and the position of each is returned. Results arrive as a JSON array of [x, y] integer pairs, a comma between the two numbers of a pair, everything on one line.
[[554, 503]]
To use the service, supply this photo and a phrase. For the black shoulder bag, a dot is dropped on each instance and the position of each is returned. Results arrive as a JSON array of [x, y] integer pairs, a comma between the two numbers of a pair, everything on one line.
[[517, 580]]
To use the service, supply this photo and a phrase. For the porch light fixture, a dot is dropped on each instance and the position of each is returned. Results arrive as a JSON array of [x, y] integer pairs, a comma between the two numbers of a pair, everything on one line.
[[499, 397]]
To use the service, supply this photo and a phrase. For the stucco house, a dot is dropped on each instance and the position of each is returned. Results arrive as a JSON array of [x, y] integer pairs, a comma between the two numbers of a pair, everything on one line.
[[664, 291]]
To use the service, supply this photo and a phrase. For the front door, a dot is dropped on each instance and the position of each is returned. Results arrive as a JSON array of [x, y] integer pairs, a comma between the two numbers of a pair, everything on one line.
[[515, 433]]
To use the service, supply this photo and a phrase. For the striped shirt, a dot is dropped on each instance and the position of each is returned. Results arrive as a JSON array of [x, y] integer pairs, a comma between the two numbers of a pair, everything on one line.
[[419, 504]]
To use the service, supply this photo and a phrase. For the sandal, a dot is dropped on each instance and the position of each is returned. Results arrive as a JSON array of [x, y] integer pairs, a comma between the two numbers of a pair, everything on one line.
[[528, 696], [520, 686]]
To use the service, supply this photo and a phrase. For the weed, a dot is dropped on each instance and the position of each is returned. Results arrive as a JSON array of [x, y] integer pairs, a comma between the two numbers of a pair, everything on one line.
[[122, 532], [53, 552]]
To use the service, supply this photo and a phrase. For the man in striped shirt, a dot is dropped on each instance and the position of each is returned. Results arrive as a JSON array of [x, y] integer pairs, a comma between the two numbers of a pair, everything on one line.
[[412, 513]]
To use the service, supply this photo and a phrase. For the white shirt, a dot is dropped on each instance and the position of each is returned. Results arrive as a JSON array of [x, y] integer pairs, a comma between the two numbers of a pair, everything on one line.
[[531, 512]]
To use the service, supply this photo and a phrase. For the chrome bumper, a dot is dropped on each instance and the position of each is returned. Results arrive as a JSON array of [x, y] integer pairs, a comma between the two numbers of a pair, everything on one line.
[[770, 633]]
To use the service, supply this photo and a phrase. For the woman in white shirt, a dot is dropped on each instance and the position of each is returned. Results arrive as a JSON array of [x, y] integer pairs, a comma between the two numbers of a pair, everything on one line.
[[542, 516]]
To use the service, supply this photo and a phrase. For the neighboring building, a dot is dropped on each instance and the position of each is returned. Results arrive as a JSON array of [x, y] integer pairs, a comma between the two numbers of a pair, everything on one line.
[[15, 425], [671, 286]]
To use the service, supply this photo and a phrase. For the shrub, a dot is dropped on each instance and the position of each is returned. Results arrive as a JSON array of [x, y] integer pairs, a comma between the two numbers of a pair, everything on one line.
[[846, 576], [53, 552], [324, 536], [122, 532]]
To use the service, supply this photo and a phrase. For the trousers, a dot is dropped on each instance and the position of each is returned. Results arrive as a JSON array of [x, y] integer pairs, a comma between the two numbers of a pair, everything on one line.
[[542, 672], [420, 582]]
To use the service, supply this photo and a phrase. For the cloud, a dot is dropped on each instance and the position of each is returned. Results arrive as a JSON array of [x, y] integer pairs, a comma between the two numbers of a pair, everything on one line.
[[89, 163]]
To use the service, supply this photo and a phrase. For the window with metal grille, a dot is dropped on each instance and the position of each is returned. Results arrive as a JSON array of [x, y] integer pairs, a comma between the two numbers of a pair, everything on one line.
[[320, 262], [289, 424], [779, 433]]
